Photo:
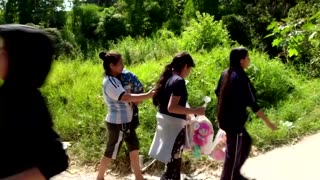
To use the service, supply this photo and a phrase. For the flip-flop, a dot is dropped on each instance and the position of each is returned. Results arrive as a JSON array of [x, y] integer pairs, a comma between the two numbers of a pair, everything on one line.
[[145, 168]]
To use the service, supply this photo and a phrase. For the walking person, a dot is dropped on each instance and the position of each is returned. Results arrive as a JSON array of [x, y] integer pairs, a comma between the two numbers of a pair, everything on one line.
[[30, 148], [119, 115], [235, 93], [170, 98]]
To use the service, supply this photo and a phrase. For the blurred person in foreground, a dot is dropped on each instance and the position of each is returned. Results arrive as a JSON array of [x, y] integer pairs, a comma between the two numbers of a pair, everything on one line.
[[30, 148]]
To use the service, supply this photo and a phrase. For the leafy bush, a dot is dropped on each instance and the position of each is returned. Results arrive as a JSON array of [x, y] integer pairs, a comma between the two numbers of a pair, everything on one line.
[[174, 25], [300, 41], [137, 50], [62, 46], [273, 80], [204, 33], [2, 17]]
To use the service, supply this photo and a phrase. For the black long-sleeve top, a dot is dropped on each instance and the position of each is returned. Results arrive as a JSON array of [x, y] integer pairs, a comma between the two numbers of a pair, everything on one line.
[[27, 137], [238, 94]]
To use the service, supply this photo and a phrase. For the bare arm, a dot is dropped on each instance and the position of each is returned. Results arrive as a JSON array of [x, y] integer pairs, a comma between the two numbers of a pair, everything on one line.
[[174, 107], [127, 97], [261, 115], [251, 99], [136, 103]]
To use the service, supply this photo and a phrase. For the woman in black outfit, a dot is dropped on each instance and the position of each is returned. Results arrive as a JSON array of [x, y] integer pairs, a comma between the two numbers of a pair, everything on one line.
[[30, 148], [235, 93], [170, 98]]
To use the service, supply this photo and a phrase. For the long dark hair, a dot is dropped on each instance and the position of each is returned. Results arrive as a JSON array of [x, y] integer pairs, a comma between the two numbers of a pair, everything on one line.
[[177, 64], [109, 58], [236, 55]]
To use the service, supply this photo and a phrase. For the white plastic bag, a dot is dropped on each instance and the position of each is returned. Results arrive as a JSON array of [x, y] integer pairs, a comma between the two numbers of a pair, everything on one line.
[[199, 131], [188, 141], [219, 146]]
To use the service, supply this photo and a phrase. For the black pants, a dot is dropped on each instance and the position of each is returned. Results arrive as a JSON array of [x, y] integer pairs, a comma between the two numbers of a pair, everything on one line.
[[238, 150], [135, 117], [117, 134], [173, 167]]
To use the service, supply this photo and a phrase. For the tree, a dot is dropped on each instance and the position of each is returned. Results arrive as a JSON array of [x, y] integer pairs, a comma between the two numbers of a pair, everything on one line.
[[26, 11], [2, 20], [85, 20], [112, 24], [207, 6], [11, 11], [190, 10], [45, 12], [102, 2], [238, 28]]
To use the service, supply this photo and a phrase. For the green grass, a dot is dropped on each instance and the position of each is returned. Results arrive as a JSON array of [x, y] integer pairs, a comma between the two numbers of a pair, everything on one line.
[[301, 108], [74, 92]]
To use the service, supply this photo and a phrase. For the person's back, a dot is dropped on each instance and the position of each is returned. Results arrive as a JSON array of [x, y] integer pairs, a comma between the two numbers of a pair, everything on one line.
[[235, 93], [29, 143], [236, 98]]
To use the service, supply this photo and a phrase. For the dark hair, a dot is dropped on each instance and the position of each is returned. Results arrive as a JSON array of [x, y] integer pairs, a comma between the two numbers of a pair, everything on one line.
[[109, 58], [236, 55], [177, 64]]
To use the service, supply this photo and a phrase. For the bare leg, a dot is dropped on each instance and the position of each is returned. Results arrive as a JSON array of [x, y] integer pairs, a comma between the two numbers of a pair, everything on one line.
[[134, 158], [104, 164]]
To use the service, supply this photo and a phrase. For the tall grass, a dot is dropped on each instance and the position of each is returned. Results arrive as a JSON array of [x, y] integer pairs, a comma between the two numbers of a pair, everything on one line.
[[301, 107], [74, 95], [74, 91]]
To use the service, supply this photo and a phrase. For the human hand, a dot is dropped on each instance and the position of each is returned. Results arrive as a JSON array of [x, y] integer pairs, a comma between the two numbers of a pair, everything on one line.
[[151, 92]]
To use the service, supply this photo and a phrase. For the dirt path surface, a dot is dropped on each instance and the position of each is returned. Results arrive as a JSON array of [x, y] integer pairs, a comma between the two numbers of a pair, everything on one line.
[[297, 162], [201, 174]]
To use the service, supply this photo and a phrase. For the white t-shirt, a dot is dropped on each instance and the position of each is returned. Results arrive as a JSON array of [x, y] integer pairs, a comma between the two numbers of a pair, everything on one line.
[[119, 112]]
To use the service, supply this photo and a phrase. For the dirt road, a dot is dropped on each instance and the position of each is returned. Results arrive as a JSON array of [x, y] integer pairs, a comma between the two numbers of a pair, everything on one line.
[[297, 162]]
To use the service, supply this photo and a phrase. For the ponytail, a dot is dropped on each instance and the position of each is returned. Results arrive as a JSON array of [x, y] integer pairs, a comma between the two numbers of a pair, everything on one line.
[[223, 89], [236, 55], [177, 64], [160, 85]]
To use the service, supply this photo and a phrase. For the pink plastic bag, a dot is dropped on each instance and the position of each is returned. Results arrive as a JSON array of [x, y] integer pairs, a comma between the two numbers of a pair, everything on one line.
[[199, 132], [219, 146]]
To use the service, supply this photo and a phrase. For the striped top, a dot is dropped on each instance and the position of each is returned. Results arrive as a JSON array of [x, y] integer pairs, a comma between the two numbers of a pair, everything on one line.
[[119, 112]]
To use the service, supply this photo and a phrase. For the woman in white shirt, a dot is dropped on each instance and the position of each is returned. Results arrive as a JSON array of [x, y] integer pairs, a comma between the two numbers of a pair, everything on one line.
[[119, 115]]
